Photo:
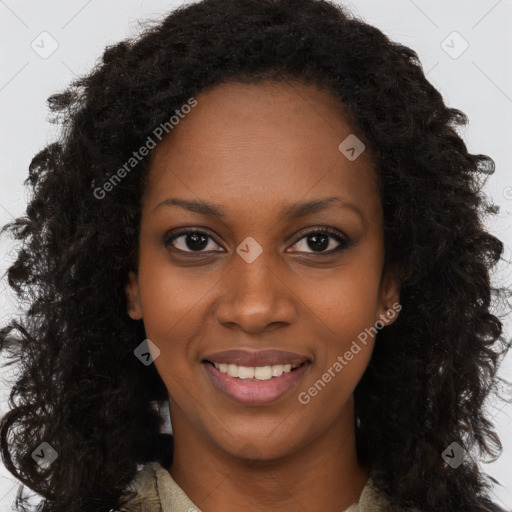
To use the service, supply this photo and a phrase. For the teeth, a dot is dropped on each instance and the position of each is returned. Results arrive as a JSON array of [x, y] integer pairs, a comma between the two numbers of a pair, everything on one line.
[[258, 372]]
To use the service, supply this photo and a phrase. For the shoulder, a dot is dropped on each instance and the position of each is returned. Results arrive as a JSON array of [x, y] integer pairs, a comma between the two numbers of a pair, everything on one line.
[[156, 491], [374, 499], [145, 485]]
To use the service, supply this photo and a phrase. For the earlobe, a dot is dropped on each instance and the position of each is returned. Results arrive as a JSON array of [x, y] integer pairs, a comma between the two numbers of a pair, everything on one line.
[[389, 299], [134, 309]]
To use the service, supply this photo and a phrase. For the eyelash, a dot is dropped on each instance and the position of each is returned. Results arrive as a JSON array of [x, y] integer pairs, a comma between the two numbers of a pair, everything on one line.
[[324, 230]]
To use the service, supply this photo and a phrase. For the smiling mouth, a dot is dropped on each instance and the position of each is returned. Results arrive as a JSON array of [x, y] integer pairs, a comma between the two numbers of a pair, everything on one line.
[[255, 386], [255, 373]]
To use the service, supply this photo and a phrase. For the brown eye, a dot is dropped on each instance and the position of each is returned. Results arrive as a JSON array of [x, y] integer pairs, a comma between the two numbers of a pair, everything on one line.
[[321, 239], [191, 241]]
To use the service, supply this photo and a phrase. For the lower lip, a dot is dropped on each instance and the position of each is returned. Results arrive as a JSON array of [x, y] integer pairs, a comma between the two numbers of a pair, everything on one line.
[[255, 392]]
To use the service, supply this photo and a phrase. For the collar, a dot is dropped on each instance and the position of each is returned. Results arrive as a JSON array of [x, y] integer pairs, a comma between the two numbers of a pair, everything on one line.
[[158, 492]]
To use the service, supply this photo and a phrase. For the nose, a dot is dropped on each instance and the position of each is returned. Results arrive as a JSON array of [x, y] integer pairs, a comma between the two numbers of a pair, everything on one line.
[[256, 296]]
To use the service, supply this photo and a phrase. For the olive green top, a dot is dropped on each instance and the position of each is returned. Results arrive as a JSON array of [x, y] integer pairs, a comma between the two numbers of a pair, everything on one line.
[[158, 492]]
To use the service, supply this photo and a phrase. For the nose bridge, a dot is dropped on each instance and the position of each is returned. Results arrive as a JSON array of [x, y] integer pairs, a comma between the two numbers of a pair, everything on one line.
[[254, 295]]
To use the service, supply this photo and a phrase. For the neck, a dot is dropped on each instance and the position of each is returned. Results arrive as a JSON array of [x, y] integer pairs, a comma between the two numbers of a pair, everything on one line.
[[324, 474]]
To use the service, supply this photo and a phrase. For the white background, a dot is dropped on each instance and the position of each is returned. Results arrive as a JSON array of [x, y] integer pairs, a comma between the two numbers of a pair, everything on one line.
[[478, 82]]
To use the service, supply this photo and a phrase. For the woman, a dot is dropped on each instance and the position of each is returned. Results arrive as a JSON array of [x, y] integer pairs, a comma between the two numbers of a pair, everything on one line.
[[261, 213]]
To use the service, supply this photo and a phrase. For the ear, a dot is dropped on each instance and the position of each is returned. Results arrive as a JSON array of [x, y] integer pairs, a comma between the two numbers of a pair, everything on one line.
[[389, 298], [133, 296]]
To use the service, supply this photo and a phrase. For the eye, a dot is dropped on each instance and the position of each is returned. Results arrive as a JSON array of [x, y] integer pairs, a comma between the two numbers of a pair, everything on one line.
[[199, 242], [319, 239], [190, 241]]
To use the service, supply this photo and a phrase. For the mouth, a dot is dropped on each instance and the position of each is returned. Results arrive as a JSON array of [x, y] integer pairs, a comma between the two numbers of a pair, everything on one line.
[[260, 385], [255, 373]]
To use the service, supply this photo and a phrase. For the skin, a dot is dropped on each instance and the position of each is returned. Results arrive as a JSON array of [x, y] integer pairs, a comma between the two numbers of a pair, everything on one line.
[[251, 149]]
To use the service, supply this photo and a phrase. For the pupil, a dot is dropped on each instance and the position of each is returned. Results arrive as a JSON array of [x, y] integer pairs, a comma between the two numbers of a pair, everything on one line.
[[319, 242], [196, 241]]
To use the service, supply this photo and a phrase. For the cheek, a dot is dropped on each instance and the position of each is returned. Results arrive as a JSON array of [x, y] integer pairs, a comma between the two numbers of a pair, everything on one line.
[[173, 298], [172, 317], [338, 369], [344, 309], [345, 300]]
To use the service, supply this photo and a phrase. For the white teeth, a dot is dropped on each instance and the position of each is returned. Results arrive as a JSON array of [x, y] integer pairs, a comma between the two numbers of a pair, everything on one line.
[[262, 372], [232, 370], [245, 373], [258, 372]]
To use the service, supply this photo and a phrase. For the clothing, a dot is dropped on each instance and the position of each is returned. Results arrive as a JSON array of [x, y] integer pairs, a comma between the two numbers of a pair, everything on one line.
[[158, 492]]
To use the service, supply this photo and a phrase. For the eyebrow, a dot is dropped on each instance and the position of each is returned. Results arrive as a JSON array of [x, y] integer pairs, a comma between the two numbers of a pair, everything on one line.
[[289, 211]]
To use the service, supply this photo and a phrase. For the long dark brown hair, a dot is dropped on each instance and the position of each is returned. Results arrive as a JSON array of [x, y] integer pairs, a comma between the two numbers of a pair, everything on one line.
[[82, 390]]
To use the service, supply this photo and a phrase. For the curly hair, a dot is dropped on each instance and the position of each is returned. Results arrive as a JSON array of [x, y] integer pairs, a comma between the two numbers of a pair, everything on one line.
[[80, 387]]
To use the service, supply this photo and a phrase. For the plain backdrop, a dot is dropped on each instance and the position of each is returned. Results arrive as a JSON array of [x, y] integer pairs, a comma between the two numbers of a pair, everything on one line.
[[465, 47]]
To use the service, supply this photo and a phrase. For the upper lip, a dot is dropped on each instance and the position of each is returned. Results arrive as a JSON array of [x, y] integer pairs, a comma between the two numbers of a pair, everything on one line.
[[253, 358]]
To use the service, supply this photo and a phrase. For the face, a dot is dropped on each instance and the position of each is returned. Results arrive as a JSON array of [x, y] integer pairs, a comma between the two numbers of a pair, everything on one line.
[[228, 260]]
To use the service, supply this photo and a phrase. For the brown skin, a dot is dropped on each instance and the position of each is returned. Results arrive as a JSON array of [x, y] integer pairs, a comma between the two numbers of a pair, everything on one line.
[[251, 148]]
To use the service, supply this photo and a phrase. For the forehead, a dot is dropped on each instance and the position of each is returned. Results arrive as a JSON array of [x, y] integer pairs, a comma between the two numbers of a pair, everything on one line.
[[268, 143]]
